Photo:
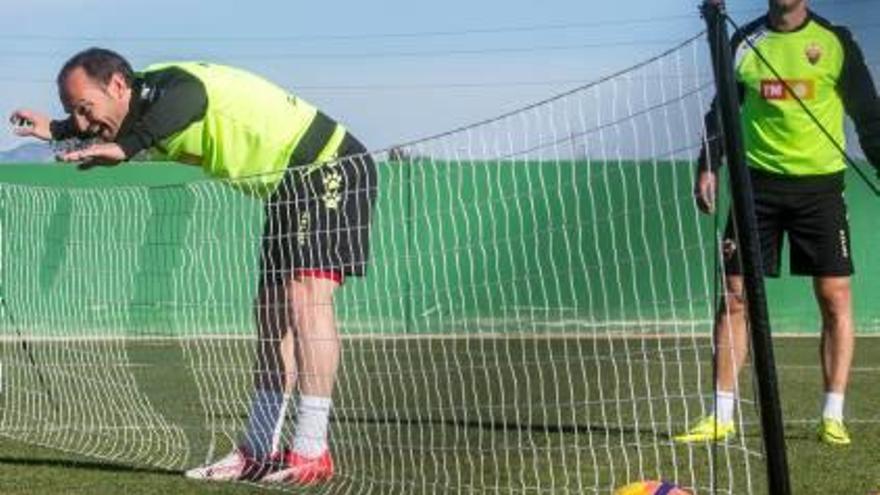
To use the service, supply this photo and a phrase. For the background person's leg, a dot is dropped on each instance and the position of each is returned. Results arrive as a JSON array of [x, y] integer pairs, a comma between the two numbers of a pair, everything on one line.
[[731, 331], [731, 351], [731, 346], [834, 296], [820, 246]]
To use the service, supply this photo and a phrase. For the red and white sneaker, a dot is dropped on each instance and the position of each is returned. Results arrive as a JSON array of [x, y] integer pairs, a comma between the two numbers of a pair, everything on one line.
[[303, 471], [238, 465]]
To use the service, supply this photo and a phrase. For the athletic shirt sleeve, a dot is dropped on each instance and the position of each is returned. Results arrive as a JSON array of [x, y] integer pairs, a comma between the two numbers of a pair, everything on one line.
[[168, 102], [859, 95], [712, 150]]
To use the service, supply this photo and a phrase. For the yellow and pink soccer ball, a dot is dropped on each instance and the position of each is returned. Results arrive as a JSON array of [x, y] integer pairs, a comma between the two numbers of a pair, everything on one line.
[[652, 488]]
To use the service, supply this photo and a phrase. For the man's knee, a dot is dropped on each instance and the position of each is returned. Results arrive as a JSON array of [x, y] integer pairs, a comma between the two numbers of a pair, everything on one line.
[[835, 294], [308, 294], [734, 301], [834, 297], [734, 304]]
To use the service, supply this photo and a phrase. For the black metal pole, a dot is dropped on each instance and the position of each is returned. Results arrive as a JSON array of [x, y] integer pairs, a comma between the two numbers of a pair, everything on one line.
[[727, 100]]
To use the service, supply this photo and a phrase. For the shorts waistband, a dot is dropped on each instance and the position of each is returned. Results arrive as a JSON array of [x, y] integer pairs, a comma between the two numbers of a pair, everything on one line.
[[793, 184]]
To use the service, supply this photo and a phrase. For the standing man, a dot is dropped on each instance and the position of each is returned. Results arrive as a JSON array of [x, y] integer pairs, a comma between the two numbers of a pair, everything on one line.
[[320, 185], [798, 179]]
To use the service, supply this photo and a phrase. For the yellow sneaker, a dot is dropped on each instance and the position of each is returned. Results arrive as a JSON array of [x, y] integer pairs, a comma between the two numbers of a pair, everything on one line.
[[707, 429], [833, 432]]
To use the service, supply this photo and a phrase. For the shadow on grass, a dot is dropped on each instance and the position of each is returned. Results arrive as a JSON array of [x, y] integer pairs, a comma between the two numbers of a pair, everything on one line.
[[510, 426], [89, 465], [501, 425]]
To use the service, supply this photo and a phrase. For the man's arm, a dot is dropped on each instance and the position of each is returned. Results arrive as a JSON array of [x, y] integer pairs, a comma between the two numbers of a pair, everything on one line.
[[169, 101], [859, 95], [179, 100], [30, 123], [711, 154], [712, 150]]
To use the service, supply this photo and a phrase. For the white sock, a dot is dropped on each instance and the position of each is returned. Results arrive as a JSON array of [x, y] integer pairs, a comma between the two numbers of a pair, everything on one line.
[[312, 422], [833, 406], [724, 402]]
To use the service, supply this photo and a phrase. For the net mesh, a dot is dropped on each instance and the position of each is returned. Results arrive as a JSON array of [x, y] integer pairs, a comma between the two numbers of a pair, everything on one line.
[[535, 317]]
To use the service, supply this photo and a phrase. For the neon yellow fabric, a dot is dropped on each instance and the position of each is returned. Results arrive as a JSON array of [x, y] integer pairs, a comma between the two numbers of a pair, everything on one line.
[[780, 137], [250, 128]]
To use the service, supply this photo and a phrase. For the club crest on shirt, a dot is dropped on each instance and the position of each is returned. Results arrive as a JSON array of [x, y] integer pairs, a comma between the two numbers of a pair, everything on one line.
[[813, 53]]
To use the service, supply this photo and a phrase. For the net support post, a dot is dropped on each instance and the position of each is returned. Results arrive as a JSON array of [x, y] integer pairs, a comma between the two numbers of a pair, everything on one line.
[[742, 196]]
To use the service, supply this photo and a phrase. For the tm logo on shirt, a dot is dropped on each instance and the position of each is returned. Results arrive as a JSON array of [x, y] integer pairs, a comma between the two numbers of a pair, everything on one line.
[[774, 89]]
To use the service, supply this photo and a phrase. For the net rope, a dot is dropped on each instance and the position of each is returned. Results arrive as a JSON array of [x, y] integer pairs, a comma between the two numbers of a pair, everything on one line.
[[535, 317]]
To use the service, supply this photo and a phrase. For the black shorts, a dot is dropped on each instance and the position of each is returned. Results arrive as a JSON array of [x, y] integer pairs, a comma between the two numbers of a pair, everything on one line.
[[318, 221], [813, 215]]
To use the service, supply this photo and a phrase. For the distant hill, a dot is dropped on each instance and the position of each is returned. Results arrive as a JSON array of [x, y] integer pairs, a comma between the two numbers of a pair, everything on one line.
[[28, 153]]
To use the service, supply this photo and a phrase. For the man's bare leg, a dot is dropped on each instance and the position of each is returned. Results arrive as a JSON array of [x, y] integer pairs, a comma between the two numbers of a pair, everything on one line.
[[274, 376], [731, 351], [834, 296], [731, 335], [274, 372], [317, 356]]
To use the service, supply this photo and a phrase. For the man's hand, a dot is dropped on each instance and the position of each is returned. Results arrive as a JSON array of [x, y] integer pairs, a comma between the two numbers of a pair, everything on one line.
[[31, 124], [704, 191], [96, 154]]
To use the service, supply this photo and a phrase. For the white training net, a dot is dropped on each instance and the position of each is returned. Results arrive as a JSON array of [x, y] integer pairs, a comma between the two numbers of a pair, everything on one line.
[[535, 317]]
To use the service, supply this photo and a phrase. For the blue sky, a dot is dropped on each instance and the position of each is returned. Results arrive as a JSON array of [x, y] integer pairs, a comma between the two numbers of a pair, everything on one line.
[[392, 70]]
